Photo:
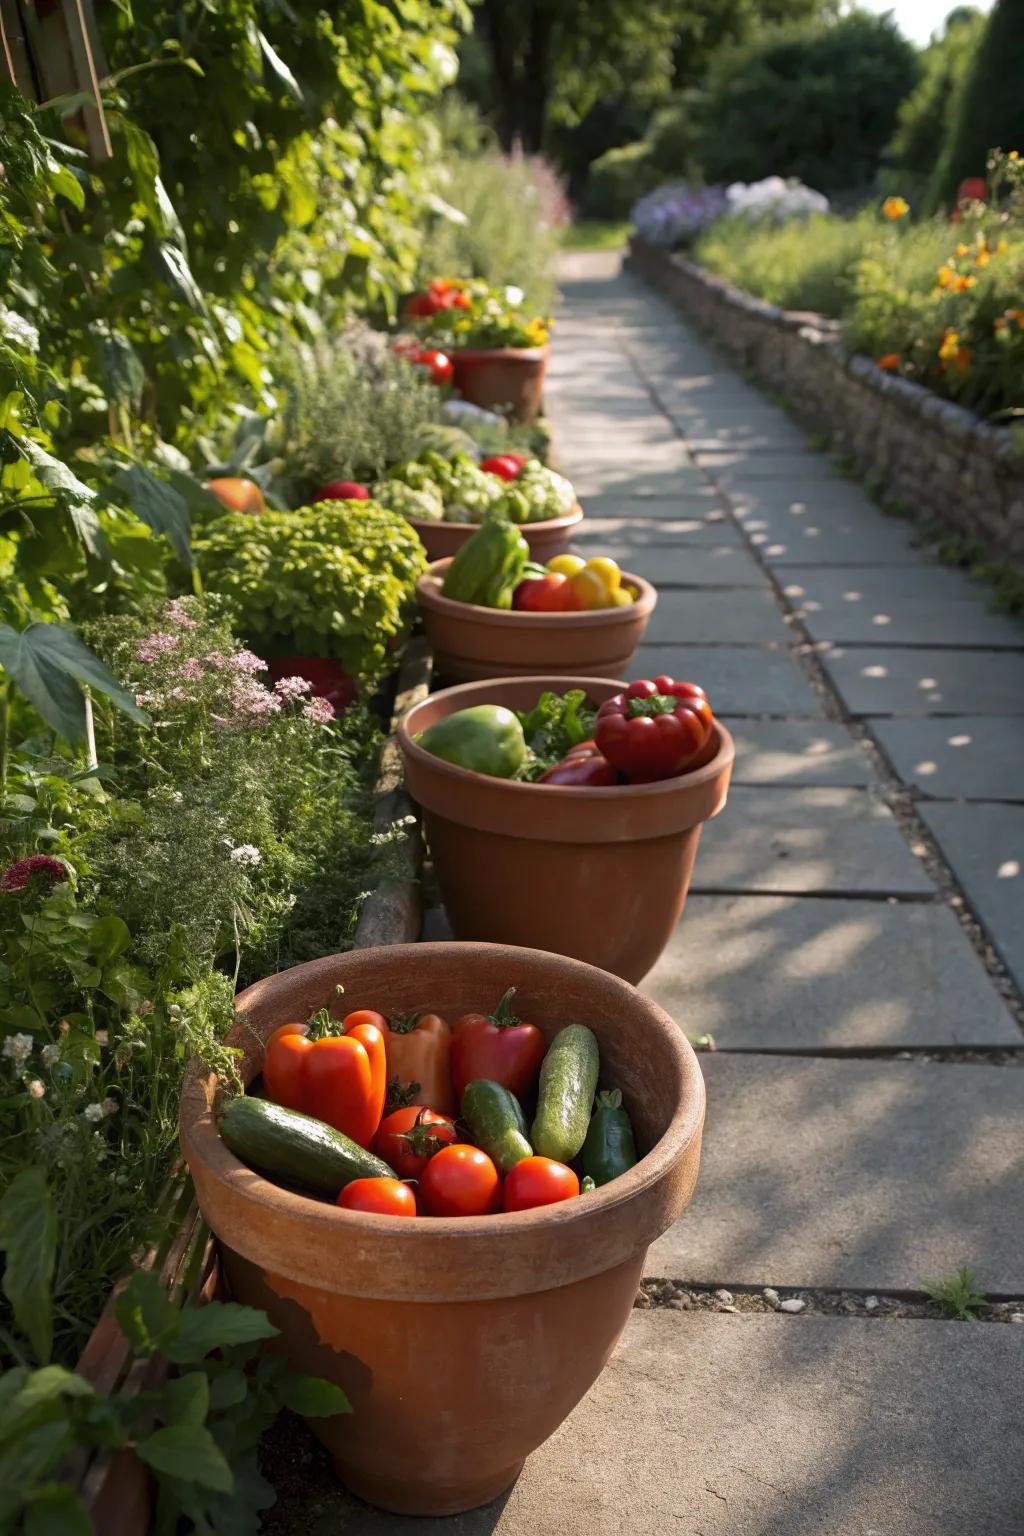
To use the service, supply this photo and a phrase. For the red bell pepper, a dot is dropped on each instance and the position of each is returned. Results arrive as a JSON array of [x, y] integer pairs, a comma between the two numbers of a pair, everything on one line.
[[654, 729], [334, 1073], [581, 765], [498, 1046]]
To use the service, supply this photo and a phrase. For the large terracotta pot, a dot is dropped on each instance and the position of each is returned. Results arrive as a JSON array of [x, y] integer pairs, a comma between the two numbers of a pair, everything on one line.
[[547, 538], [505, 379], [471, 642], [600, 874], [462, 1344]]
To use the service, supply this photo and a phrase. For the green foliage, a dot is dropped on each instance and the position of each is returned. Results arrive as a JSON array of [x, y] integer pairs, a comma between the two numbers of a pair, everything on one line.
[[350, 409], [815, 102], [802, 264], [197, 1433], [596, 235], [955, 1295], [618, 177], [508, 209], [336, 579], [988, 110], [925, 114]]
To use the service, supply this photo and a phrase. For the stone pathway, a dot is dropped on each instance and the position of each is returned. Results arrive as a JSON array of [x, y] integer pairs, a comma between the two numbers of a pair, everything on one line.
[[855, 945]]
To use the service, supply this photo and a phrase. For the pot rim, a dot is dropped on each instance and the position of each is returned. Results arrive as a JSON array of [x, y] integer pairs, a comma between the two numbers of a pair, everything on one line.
[[581, 793], [547, 524], [574, 1223], [529, 354], [428, 592]]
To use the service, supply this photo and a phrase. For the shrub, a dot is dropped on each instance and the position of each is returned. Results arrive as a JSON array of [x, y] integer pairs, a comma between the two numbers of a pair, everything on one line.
[[808, 265], [618, 178], [924, 115], [816, 102], [989, 109]]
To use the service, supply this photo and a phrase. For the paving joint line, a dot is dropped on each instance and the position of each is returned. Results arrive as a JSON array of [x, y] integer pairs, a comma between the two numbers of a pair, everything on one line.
[[882, 1304], [942, 1055], [894, 792]]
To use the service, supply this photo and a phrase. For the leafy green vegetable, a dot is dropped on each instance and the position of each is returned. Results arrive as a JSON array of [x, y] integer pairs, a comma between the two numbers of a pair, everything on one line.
[[554, 724]]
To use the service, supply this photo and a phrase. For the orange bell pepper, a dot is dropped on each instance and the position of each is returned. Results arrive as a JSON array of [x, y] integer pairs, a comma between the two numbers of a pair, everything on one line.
[[336, 1072], [419, 1048]]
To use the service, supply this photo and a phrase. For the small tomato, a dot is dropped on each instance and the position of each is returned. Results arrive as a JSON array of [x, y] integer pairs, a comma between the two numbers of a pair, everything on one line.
[[438, 364], [505, 465], [342, 490], [408, 1138], [539, 1181], [237, 494], [539, 594], [460, 1180], [381, 1197]]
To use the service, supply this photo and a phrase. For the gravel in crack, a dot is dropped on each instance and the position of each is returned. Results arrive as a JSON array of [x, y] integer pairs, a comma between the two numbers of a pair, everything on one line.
[[677, 1296]]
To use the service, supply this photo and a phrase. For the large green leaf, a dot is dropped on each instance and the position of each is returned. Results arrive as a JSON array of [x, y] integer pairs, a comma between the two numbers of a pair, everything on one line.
[[159, 505], [54, 473], [148, 1319], [28, 1236], [173, 267], [186, 1399], [122, 369], [218, 1325], [188, 1453], [281, 70], [48, 663], [57, 1510], [313, 1397]]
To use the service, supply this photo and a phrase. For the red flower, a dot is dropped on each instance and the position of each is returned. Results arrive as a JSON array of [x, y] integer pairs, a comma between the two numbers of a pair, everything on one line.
[[16, 877]]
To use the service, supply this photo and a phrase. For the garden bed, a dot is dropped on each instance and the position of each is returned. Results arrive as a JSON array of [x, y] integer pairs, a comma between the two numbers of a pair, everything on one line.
[[922, 455]]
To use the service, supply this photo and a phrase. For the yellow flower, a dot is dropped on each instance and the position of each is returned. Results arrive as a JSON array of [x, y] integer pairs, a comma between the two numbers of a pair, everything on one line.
[[1000, 325], [1014, 154], [1002, 246], [950, 346], [983, 259], [537, 332], [962, 249], [895, 208], [946, 276]]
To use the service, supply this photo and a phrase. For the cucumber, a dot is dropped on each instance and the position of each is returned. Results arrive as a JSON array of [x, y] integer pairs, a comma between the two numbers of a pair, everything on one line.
[[496, 1122], [286, 1145], [609, 1149], [568, 1082]]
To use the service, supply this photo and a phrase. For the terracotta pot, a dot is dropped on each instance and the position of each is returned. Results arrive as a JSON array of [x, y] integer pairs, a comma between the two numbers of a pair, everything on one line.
[[328, 677], [471, 642], [505, 379], [462, 1344], [600, 874], [546, 539]]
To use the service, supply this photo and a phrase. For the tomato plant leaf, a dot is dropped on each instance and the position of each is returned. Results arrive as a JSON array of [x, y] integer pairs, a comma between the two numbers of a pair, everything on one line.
[[159, 505], [108, 937], [28, 1236], [189, 1453], [218, 1325], [122, 368], [312, 1396], [186, 1399], [48, 662], [172, 265], [148, 1319], [52, 1381], [53, 473]]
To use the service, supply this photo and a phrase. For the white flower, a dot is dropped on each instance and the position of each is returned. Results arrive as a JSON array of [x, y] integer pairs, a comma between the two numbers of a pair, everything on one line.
[[18, 1047], [18, 330], [93, 1112], [514, 296], [246, 855], [50, 1055], [36, 1088]]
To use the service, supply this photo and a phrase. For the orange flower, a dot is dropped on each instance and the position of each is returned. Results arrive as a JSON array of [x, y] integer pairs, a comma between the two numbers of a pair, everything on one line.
[[983, 258], [945, 277], [960, 284], [962, 249], [890, 362], [950, 346], [895, 208]]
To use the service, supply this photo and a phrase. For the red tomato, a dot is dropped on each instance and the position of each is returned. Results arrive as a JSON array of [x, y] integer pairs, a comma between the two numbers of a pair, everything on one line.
[[460, 301], [438, 364], [506, 466], [382, 1197], [539, 594], [539, 1181], [422, 305], [460, 1180], [408, 1138], [342, 490]]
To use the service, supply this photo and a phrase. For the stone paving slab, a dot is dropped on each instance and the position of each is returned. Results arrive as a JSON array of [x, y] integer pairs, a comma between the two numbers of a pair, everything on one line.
[[739, 468], [796, 973], [738, 679], [798, 752], [823, 522], [968, 758], [740, 617], [926, 681], [984, 845], [856, 617], [678, 564], [853, 1174], [818, 841], [707, 1424], [684, 524], [869, 584], [612, 476]]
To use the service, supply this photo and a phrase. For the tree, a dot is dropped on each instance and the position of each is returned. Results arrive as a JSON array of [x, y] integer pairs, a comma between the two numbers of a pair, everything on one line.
[[988, 112], [817, 102], [924, 115]]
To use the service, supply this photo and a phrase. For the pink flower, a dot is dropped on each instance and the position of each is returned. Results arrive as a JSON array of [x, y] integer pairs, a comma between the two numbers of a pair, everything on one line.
[[177, 614], [157, 644], [250, 704], [217, 659], [292, 687], [245, 661], [191, 670], [39, 866], [319, 711]]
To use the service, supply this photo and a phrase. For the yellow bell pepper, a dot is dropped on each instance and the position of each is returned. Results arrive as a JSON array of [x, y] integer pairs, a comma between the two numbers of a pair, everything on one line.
[[623, 598], [566, 565], [608, 573]]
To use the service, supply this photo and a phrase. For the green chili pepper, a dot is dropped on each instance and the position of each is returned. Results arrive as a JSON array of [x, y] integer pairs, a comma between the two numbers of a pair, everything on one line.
[[609, 1149]]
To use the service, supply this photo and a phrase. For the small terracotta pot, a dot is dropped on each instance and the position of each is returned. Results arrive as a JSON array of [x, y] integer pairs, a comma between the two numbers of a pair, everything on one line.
[[506, 379], [471, 642], [462, 1344], [327, 676], [546, 539], [600, 874]]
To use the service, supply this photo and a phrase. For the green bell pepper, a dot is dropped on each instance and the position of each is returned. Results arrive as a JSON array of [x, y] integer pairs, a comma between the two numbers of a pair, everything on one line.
[[485, 738], [488, 567]]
